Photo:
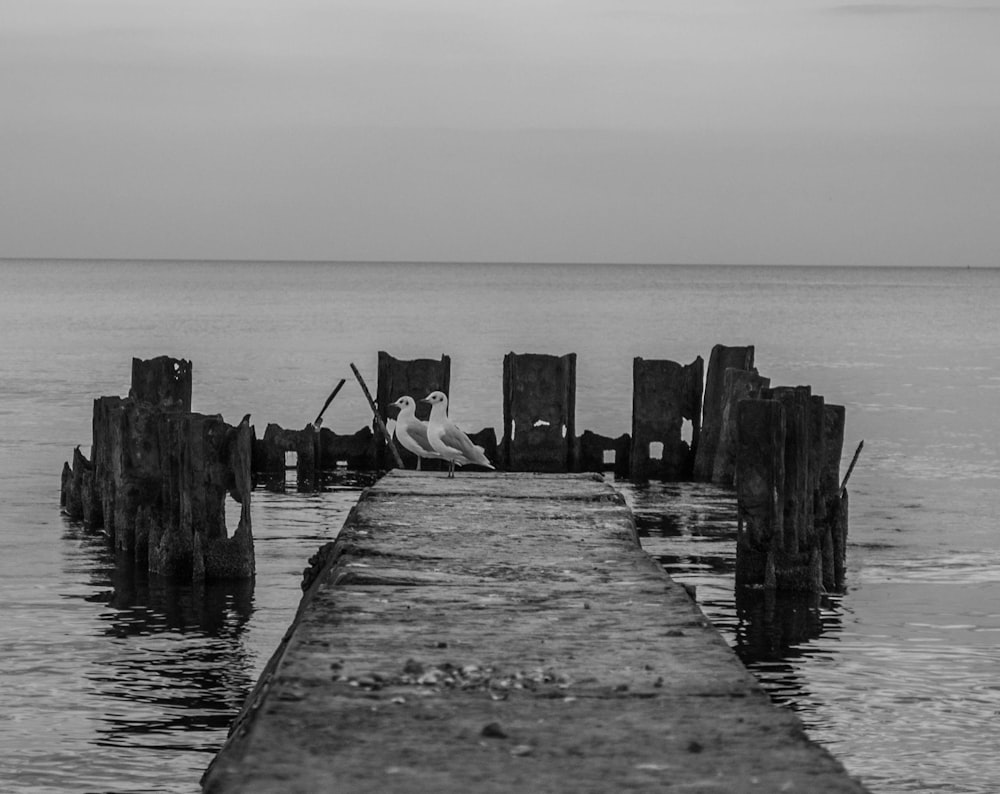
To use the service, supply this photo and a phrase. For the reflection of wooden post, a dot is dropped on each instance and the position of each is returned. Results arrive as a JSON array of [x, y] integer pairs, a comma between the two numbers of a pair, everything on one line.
[[539, 412], [378, 419]]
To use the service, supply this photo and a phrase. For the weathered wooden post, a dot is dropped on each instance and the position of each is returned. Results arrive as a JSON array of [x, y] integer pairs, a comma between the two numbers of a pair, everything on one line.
[[807, 558], [204, 459], [357, 450], [539, 412], [162, 381], [721, 359], [159, 477], [797, 490], [664, 394], [738, 384], [760, 483], [834, 558], [225, 557], [592, 452], [75, 493], [415, 378]]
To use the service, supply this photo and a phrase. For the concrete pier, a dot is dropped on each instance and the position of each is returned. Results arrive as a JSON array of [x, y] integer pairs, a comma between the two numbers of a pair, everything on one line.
[[506, 633]]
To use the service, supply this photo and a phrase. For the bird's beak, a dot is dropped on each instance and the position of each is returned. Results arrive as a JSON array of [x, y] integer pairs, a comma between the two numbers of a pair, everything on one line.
[[425, 399]]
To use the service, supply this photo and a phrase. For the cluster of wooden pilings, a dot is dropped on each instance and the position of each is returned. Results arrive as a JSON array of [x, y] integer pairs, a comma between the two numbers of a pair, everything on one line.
[[159, 475], [780, 447]]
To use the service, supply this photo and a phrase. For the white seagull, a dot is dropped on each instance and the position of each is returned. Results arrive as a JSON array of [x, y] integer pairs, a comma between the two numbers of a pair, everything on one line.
[[448, 440], [412, 432]]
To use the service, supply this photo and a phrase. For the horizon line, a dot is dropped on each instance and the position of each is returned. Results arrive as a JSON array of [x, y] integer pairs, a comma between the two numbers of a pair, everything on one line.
[[481, 262]]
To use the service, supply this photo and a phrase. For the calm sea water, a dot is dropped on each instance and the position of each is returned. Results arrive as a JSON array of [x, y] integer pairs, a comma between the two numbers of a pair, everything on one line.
[[113, 682]]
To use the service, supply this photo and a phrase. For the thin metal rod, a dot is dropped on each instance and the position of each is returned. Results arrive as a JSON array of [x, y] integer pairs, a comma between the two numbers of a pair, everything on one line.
[[329, 400], [378, 419], [843, 485]]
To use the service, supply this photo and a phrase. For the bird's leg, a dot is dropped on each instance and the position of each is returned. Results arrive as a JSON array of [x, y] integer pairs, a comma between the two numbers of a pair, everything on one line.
[[451, 469], [418, 463]]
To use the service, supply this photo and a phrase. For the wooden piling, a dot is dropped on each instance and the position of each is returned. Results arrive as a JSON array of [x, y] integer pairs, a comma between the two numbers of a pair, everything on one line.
[[721, 359], [760, 482], [159, 475], [539, 412], [664, 394], [591, 449], [797, 490], [738, 384], [414, 378]]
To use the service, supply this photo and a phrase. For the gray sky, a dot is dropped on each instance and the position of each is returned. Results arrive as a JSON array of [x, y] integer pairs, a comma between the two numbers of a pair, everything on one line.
[[677, 131]]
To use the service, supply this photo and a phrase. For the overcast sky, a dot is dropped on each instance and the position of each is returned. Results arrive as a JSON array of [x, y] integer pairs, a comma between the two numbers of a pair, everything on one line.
[[673, 131]]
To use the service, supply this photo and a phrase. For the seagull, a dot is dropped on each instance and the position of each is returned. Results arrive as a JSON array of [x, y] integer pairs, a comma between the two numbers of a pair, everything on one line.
[[412, 432], [448, 440]]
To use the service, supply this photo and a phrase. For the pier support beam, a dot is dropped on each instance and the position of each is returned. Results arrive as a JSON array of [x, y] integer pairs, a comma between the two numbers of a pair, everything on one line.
[[738, 384], [415, 378], [597, 453], [760, 480], [539, 412], [721, 359], [664, 395], [159, 477]]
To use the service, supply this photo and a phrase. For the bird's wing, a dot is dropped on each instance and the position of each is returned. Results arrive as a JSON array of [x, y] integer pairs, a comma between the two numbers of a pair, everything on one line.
[[417, 431], [456, 439]]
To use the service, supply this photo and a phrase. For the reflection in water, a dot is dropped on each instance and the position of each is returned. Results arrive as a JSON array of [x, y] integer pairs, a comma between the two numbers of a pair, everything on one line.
[[175, 664], [691, 529], [167, 665]]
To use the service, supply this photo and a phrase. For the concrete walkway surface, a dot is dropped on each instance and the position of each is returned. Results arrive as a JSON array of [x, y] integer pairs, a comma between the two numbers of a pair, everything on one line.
[[506, 633]]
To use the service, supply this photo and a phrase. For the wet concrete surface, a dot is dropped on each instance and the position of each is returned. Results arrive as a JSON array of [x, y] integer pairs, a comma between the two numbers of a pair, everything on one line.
[[505, 633]]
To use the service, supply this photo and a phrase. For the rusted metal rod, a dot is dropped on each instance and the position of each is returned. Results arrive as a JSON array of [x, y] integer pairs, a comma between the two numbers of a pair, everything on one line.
[[843, 485], [336, 389], [378, 419]]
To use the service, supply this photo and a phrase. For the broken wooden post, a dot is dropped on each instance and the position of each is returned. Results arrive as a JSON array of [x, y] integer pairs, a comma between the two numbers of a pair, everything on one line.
[[415, 378], [597, 453], [356, 450], [160, 474], [162, 381], [829, 489], [306, 468], [204, 460], [738, 384], [797, 491], [664, 394], [760, 478], [539, 412], [810, 554], [721, 359]]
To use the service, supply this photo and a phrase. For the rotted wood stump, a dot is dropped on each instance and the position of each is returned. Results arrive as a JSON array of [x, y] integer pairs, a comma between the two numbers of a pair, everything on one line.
[[721, 359], [159, 478], [539, 413], [791, 512]]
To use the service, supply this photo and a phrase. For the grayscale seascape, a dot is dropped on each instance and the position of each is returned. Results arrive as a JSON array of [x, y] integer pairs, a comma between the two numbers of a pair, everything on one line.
[[115, 683]]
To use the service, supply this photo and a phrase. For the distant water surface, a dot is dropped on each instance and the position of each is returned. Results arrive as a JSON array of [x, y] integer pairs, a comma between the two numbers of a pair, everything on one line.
[[117, 683]]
